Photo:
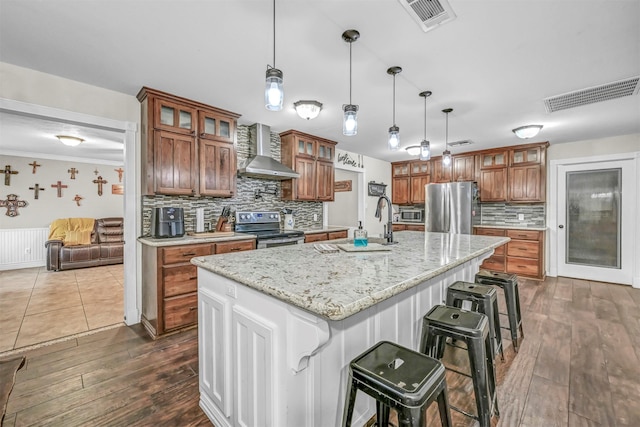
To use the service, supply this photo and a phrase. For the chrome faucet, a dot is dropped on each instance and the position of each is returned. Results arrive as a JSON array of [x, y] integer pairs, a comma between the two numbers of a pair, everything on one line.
[[388, 228]]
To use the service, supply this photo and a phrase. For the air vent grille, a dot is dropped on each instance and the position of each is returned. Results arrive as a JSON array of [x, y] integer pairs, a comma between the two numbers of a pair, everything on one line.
[[593, 94], [460, 143], [429, 13]]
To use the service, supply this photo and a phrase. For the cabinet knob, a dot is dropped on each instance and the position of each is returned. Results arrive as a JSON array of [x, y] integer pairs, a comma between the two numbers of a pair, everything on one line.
[[561, 226]]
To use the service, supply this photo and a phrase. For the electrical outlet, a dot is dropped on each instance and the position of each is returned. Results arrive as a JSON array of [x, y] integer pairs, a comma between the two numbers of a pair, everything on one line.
[[315, 217], [520, 217], [231, 291]]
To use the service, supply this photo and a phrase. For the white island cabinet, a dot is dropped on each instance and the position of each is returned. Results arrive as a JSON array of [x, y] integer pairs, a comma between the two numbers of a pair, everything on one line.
[[278, 327]]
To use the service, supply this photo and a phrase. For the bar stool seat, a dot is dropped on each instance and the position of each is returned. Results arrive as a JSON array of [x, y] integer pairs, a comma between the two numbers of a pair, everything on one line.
[[473, 329], [509, 284], [398, 378], [483, 299]]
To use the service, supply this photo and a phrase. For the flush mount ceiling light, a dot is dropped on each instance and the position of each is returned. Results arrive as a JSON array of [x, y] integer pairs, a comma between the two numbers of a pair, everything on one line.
[[273, 92], [425, 149], [350, 117], [71, 141], [413, 150], [308, 109], [526, 132], [446, 155], [394, 131]]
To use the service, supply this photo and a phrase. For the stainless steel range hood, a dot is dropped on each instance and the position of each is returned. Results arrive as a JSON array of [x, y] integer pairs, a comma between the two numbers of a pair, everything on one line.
[[261, 164]]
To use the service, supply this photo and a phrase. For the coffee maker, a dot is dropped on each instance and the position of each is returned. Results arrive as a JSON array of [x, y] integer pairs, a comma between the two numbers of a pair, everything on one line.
[[167, 222]]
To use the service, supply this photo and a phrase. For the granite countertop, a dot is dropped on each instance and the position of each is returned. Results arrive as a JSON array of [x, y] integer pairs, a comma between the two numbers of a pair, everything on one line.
[[338, 285], [323, 229], [513, 227], [189, 240]]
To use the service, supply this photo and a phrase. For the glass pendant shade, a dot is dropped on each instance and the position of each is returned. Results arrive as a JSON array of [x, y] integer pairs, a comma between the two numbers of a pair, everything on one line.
[[394, 138], [350, 120], [425, 150], [446, 158], [273, 92], [526, 132], [71, 141]]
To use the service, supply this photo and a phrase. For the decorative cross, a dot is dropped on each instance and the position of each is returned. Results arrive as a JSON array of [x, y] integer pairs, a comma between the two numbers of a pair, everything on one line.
[[77, 199], [100, 181], [7, 174], [73, 172], [120, 171], [95, 172], [59, 186], [37, 189], [35, 165], [12, 203]]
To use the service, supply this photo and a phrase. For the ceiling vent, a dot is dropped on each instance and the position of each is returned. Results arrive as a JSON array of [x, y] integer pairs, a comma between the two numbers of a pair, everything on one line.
[[429, 14], [460, 143], [593, 94]]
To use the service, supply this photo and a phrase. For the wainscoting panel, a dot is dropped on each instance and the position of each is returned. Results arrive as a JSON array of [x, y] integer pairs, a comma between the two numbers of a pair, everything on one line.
[[22, 248]]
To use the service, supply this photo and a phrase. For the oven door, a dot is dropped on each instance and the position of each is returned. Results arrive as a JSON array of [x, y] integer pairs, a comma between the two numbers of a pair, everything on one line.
[[279, 241]]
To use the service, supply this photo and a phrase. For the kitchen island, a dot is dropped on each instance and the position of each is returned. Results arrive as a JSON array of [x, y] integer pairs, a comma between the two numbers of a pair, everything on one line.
[[278, 327]]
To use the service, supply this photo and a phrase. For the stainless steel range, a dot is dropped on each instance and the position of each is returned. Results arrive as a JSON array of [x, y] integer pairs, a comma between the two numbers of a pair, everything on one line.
[[266, 226]]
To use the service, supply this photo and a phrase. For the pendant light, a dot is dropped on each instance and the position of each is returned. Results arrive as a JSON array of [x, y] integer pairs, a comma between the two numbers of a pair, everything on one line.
[[394, 131], [425, 149], [350, 117], [446, 155], [273, 92]]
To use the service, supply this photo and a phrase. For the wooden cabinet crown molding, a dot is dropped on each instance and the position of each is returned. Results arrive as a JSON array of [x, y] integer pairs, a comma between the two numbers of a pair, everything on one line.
[[149, 92]]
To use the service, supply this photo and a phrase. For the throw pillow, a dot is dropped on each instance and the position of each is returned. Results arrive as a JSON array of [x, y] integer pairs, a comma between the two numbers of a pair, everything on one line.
[[75, 238]]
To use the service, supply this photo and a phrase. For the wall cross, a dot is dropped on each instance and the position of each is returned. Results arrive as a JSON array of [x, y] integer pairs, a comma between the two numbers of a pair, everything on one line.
[[77, 199], [12, 203], [120, 171], [73, 172], [59, 186], [99, 181], [7, 174], [34, 165], [37, 189]]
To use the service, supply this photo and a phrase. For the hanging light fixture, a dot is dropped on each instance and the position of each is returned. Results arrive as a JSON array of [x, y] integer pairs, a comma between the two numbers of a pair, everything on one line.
[[71, 141], [425, 149], [526, 132], [273, 92], [446, 155], [350, 117], [394, 131], [307, 109]]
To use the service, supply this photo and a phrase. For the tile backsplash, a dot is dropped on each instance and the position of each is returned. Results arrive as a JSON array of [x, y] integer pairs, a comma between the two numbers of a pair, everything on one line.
[[252, 194], [506, 214]]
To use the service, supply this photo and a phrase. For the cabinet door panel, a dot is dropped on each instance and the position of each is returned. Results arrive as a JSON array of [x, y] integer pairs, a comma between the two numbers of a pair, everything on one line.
[[523, 248], [181, 279], [316, 237], [524, 266], [305, 184], [417, 188], [178, 254], [464, 168], [400, 189], [216, 126], [441, 173], [180, 311], [324, 181], [217, 168], [525, 184], [174, 117], [175, 163], [235, 246], [493, 185]]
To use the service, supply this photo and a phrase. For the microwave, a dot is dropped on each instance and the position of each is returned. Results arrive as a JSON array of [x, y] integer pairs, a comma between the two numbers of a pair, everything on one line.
[[412, 215]]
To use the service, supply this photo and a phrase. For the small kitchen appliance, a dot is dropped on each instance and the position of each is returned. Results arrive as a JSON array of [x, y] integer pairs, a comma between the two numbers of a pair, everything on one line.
[[265, 225], [167, 222], [411, 214]]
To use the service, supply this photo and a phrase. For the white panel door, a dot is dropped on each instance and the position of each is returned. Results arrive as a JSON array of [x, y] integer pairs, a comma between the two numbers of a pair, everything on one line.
[[596, 210]]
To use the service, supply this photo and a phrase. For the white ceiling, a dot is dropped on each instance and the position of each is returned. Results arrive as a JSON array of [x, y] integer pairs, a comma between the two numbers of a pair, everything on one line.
[[494, 64]]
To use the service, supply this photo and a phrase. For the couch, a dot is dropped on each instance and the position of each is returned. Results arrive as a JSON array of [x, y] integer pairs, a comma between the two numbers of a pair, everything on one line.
[[84, 242]]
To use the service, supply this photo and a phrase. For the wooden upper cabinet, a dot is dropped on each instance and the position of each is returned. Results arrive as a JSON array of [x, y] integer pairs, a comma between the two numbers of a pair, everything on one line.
[[494, 159], [306, 147], [493, 185], [526, 184], [306, 183], [440, 172], [400, 169], [216, 126], [400, 190], [217, 168], [325, 150], [174, 163], [174, 117], [464, 168], [417, 188], [325, 177], [526, 156], [420, 167]]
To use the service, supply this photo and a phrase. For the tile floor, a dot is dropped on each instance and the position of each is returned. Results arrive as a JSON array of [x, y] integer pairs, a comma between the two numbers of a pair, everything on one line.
[[37, 305]]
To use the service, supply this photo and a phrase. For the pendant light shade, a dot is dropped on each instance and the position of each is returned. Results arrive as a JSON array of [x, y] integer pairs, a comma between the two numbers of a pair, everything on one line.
[[394, 131], [425, 148], [350, 116], [446, 155], [273, 90]]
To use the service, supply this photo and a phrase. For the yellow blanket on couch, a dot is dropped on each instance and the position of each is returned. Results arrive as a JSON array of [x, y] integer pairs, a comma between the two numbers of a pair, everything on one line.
[[72, 231]]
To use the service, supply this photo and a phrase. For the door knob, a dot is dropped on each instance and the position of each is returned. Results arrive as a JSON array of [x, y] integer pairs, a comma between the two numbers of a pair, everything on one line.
[[561, 226]]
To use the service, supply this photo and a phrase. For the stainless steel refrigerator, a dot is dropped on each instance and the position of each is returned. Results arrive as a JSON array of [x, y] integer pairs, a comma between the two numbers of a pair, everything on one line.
[[451, 207]]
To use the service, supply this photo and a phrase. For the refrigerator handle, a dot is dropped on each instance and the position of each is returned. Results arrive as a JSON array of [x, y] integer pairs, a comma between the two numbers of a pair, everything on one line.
[[447, 208]]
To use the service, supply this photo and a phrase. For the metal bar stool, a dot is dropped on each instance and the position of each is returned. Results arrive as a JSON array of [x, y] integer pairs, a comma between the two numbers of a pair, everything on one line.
[[509, 284], [483, 299], [472, 328], [398, 378]]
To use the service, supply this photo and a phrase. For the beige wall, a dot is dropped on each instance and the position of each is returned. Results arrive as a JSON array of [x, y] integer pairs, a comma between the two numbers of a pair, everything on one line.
[[380, 172], [594, 147]]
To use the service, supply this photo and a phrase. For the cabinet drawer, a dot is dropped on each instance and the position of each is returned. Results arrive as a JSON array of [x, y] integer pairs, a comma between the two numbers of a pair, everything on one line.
[[412, 227], [181, 279], [337, 235], [178, 254], [524, 234], [398, 227], [499, 250], [523, 248], [494, 262], [525, 266], [226, 247], [315, 237], [180, 311], [490, 232]]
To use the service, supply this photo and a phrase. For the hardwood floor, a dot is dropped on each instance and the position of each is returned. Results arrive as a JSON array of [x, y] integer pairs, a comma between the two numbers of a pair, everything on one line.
[[578, 365]]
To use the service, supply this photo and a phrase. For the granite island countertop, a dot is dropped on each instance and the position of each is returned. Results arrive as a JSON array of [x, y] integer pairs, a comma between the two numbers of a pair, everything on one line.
[[190, 240], [338, 285]]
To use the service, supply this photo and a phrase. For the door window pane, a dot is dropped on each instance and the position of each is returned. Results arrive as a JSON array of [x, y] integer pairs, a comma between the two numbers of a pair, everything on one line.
[[166, 115], [210, 125], [593, 218], [225, 129], [185, 119]]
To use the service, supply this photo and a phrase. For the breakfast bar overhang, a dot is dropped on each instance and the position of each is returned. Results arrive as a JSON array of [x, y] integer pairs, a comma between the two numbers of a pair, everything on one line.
[[277, 328]]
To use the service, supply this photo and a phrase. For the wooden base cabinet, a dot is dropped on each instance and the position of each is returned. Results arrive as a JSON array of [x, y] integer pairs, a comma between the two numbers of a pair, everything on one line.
[[326, 235], [523, 255]]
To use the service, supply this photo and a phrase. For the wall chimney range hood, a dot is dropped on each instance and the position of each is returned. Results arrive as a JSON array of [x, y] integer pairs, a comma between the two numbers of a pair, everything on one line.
[[260, 164]]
